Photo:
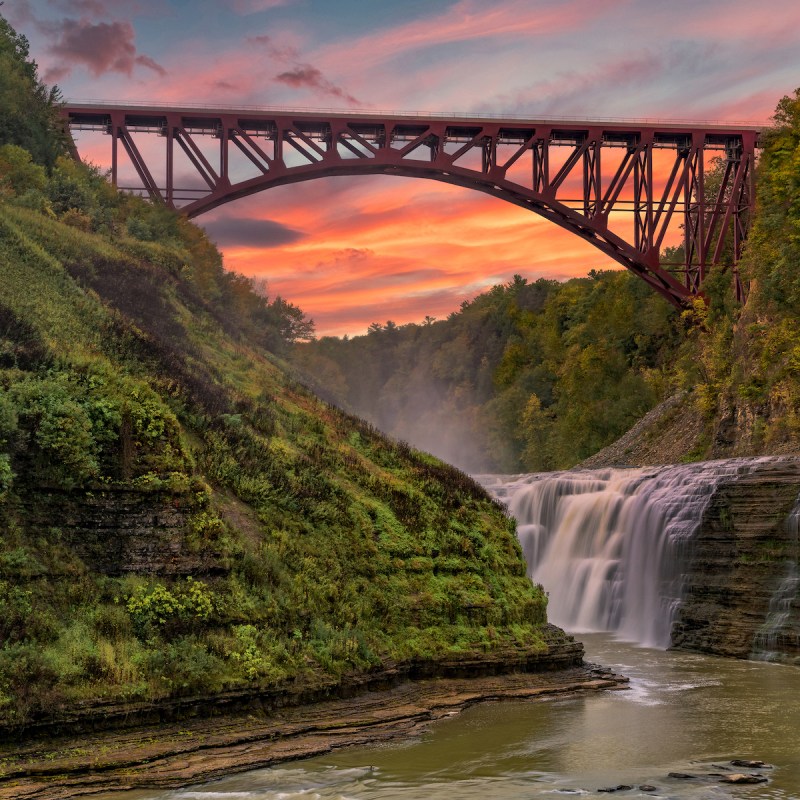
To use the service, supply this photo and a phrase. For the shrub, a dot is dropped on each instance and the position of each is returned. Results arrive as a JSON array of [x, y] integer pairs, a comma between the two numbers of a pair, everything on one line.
[[171, 610]]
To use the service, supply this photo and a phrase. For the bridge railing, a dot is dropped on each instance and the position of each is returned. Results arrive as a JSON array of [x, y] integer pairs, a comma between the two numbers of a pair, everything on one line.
[[755, 125]]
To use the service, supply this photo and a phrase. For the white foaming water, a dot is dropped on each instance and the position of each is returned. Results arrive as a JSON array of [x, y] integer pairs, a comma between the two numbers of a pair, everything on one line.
[[609, 546]]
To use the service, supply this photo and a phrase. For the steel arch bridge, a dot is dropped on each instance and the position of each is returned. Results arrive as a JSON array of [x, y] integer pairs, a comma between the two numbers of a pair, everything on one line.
[[580, 175]]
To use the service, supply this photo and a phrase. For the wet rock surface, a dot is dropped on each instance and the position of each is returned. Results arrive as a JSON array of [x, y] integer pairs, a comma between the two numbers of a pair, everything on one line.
[[741, 779], [736, 562], [729, 774], [739, 762], [194, 750]]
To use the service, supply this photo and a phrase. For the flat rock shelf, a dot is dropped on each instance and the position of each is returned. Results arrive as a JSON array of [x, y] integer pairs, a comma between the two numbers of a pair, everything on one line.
[[198, 750]]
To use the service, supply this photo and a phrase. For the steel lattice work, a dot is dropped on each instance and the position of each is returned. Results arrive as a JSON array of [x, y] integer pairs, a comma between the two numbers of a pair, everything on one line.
[[580, 175]]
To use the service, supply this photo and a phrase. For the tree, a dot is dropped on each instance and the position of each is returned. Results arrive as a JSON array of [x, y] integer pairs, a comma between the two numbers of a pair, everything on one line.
[[18, 172], [30, 115], [773, 247]]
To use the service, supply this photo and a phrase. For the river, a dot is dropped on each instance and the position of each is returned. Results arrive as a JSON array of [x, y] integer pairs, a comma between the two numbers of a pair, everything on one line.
[[608, 546], [682, 713]]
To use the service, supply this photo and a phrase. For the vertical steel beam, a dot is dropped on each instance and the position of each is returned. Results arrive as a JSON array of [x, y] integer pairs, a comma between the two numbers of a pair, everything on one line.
[[648, 230], [170, 162], [695, 216], [117, 120], [541, 161], [592, 173], [223, 152]]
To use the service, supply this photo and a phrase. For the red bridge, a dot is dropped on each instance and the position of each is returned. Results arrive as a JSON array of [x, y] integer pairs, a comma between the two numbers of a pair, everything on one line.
[[580, 175]]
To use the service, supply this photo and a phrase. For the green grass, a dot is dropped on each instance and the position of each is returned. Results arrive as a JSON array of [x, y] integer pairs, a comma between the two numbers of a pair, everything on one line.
[[327, 547]]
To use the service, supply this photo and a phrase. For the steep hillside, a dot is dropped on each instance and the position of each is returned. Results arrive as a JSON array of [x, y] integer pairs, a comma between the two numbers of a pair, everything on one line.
[[736, 376], [178, 516], [526, 377]]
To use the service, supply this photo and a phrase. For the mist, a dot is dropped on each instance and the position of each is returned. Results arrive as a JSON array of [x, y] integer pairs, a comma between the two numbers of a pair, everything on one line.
[[417, 383]]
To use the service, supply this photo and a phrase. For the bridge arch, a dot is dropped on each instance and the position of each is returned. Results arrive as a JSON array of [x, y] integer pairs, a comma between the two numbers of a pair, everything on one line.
[[562, 178]]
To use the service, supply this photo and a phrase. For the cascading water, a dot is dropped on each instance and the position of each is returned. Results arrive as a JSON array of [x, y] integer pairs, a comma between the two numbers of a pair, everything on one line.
[[609, 546], [771, 640]]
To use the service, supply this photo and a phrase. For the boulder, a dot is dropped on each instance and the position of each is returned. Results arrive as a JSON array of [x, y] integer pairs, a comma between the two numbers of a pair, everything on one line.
[[740, 779]]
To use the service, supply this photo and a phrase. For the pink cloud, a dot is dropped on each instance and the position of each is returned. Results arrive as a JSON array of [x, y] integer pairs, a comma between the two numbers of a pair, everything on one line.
[[220, 75], [469, 20], [247, 7], [757, 107], [281, 53], [96, 7], [20, 13], [102, 47], [305, 76], [100, 8]]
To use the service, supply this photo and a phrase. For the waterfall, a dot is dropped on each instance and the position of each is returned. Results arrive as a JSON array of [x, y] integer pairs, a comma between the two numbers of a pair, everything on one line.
[[609, 546], [772, 638]]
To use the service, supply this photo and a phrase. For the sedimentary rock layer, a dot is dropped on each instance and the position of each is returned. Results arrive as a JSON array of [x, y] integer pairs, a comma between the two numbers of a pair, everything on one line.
[[193, 750], [737, 561]]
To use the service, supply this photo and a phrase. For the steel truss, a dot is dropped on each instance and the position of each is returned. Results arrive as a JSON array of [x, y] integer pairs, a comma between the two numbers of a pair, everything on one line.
[[555, 169]]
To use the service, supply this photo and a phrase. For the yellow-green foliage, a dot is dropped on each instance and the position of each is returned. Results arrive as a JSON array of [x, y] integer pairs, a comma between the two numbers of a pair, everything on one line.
[[746, 361], [132, 363], [530, 375]]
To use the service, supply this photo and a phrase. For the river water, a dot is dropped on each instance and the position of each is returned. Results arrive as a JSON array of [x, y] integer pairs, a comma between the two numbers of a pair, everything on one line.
[[682, 713], [608, 546]]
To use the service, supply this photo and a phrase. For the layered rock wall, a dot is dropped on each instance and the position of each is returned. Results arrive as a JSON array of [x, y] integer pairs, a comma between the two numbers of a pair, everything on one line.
[[119, 531], [737, 563]]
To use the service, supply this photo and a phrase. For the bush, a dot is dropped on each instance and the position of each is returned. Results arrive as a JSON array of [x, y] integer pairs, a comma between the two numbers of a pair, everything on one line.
[[158, 608]]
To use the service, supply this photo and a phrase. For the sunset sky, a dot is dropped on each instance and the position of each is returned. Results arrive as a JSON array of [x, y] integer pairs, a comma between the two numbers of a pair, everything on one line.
[[351, 251]]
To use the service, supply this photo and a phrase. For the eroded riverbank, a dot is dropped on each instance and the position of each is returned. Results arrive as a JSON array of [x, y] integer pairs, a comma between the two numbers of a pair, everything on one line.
[[685, 713], [202, 749]]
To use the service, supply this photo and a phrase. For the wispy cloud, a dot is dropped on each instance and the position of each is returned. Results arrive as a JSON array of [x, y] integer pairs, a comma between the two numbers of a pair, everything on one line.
[[249, 232], [306, 76], [470, 21], [247, 7], [102, 48]]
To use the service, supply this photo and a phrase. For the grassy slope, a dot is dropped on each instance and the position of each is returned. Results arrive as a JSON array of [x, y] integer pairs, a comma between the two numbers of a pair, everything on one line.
[[326, 547]]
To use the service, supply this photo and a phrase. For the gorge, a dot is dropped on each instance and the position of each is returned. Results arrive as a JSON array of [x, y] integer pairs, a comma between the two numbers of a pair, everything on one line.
[[203, 563], [686, 563]]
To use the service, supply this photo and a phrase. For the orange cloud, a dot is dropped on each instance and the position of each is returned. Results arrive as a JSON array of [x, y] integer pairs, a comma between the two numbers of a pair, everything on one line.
[[400, 249]]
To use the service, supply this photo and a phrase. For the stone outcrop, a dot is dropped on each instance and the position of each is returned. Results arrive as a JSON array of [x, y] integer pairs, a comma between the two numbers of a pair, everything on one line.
[[737, 562], [169, 754], [119, 531], [562, 654], [665, 435]]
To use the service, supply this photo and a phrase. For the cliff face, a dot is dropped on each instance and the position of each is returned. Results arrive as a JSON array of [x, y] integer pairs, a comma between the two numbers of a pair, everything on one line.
[[123, 531], [737, 569]]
